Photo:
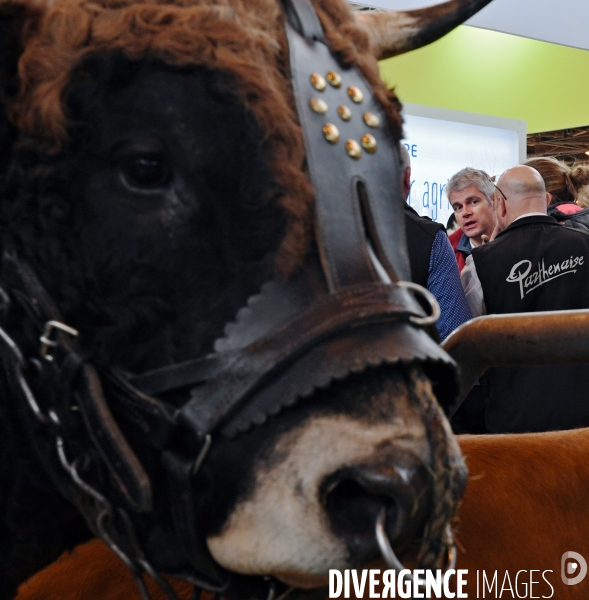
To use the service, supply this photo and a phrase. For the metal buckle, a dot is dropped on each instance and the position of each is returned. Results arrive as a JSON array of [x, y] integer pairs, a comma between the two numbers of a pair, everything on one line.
[[419, 290], [47, 343]]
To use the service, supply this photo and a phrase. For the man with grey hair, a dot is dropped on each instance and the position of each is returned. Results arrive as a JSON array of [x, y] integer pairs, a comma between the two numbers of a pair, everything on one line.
[[431, 260], [470, 193], [534, 264]]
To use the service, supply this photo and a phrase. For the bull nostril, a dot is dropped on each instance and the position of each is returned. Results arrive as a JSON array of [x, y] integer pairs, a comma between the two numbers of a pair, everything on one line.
[[352, 509], [355, 496]]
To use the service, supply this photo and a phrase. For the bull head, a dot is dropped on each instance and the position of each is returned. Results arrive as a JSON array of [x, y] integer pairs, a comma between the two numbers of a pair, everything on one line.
[[251, 388]]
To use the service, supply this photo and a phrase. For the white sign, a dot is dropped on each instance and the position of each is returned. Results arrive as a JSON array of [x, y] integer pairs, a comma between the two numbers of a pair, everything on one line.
[[441, 142]]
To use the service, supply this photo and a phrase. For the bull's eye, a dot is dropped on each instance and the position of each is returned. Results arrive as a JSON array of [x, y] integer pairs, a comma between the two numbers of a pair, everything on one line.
[[149, 171]]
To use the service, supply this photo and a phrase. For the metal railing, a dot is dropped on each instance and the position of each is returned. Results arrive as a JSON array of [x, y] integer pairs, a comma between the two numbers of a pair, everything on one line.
[[515, 340]]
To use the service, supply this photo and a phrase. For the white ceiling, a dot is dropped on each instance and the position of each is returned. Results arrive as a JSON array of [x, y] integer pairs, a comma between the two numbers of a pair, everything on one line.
[[563, 22]]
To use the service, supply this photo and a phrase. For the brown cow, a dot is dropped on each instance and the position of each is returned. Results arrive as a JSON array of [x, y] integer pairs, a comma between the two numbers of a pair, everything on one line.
[[90, 572], [525, 506]]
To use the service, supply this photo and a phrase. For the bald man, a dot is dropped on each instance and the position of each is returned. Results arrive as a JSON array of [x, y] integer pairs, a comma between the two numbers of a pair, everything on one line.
[[533, 264]]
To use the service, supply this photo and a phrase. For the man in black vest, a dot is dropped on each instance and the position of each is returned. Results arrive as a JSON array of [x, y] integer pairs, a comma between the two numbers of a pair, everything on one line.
[[534, 264], [432, 261]]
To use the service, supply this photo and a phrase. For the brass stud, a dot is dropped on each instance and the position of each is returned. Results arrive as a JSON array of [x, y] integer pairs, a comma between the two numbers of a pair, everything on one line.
[[334, 79], [317, 105], [344, 112], [371, 120], [369, 143], [317, 81], [355, 94], [331, 133], [353, 149]]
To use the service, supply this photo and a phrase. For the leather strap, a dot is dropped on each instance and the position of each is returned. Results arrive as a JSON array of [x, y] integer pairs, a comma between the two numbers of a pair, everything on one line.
[[190, 531], [154, 418], [123, 465], [355, 199], [245, 370], [180, 375], [304, 19]]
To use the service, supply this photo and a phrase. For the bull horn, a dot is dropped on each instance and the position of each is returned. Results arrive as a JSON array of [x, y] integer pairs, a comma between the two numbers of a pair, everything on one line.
[[395, 32]]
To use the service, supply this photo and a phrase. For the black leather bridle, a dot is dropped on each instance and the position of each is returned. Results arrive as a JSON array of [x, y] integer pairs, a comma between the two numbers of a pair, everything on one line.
[[348, 309]]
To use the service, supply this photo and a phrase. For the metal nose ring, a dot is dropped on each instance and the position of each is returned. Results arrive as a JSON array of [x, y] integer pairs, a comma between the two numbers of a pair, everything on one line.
[[384, 545], [390, 558]]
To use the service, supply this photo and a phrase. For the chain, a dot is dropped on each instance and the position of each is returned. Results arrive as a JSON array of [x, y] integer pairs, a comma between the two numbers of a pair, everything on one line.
[[110, 524], [113, 523]]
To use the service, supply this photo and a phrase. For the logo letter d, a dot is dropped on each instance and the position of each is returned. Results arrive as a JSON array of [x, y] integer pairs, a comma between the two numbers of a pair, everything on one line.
[[580, 562]]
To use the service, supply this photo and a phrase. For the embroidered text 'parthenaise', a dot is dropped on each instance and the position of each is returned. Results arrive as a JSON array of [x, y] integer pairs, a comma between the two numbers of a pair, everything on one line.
[[520, 273]]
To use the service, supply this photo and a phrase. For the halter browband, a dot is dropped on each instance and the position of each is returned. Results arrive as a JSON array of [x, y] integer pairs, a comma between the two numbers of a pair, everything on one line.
[[337, 316]]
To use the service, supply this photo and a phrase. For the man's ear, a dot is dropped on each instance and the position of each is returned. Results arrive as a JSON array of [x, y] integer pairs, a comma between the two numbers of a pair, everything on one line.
[[500, 206], [548, 199], [503, 207], [16, 18], [406, 182]]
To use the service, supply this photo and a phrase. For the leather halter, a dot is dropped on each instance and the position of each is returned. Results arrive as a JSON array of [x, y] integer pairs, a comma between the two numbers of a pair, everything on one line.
[[348, 309]]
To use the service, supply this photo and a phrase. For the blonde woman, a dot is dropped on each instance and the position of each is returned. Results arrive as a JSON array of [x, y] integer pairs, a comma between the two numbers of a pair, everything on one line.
[[569, 199]]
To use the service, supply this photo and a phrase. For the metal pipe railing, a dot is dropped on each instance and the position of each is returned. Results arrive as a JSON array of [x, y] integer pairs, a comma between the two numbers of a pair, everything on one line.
[[515, 340]]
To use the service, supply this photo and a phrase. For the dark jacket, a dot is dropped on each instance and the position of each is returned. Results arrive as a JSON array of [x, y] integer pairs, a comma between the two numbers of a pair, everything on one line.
[[421, 233], [569, 214], [533, 265]]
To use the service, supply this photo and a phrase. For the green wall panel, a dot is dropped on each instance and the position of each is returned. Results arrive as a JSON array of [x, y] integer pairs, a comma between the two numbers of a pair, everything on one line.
[[493, 73]]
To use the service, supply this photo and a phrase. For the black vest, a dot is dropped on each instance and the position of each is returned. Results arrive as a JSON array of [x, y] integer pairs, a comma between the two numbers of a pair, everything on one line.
[[421, 233], [536, 264]]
